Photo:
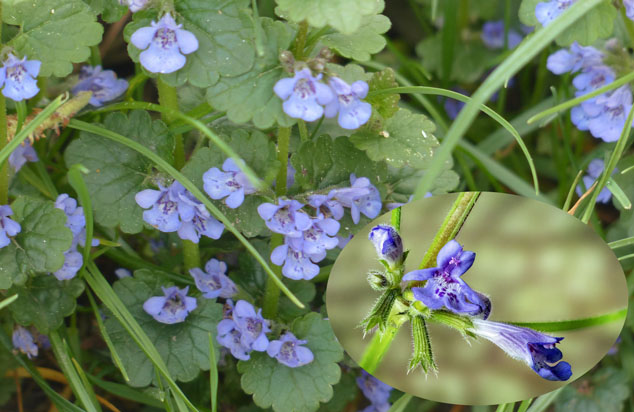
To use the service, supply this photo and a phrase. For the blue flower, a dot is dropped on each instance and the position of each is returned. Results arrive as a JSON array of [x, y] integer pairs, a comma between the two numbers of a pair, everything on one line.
[[304, 95], [22, 154], [73, 261], [134, 5], [297, 263], [546, 12], [8, 227], [360, 197], [595, 169], [493, 35], [629, 8], [171, 308], [444, 288], [24, 342], [166, 43], [573, 60], [592, 79], [353, 113], [285, 218], [253, 327], [104, 85], [318, 237], [214, 282], [614, 109], [325, 204], [18, 77], [534, 348], [288, 351], [388, 244], [232, 184], [163, 214], [196, 221], [229, 336], [377, 392]]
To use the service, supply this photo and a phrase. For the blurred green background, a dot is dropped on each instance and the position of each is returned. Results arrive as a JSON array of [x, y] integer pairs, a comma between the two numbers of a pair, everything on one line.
[[535, 262]]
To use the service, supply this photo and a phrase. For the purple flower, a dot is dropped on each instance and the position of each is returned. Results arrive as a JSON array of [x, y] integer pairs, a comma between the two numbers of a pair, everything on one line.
[[232, 184], [353, 113], [214, 282], [377, 392], [493, 35], [163, 214], [229, 336], [134, 5], [201, 223], [595, 169], [171, 308], [253, 327], [629, 8], [343, 241], [24, 342], [304, 95], [360, 197], [318, 237], [534, 348], [288, 351], [22, 154], [18, 77], [297, 263], [444, 288], [166, 43], [75, 219], [573, 60], [73, 261], [325, 203], [592, 79], [388, 244], [546, 12], [615, 107], [285, 218], [8, 227], [104, 85]]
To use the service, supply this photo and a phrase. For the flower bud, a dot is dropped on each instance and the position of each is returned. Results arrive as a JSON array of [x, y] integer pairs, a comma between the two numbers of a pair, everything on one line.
[[388, 245], [377, 280]]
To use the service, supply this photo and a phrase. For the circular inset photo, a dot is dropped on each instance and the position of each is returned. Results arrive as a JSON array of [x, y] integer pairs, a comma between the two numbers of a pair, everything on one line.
[[477, 298]]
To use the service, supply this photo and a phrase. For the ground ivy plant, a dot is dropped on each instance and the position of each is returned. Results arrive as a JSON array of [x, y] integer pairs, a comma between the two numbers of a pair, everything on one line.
[[177, 178]]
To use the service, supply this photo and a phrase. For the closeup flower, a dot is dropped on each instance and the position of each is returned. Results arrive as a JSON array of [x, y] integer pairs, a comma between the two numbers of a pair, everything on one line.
[[164, 45], [377, 392], [388, 244], [214, 282], [171, 308], [595, 169], [231, 184], [304, 95], [8, 227], [445, 288], [353, 113], [285, 218], [19, 78], [548, 11], [23, 341], [534, 348], [493, 35], [288, 351], [22, 154], [253, 327], [103, 84], [360, 197]]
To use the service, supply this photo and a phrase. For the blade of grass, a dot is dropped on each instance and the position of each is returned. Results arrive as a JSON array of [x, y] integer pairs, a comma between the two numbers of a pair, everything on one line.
[[6, 302], [524, 405], [571, 191], [618, 194], [213, 375], [541, 403], [621, 243], [125, 392], [77, 182], [401, 403]]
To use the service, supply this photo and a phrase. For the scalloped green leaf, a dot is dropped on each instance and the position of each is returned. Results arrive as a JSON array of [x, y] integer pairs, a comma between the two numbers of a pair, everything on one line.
[[250, 96], [364, 42], [45, 301], [183, 346], [224, 30], [55, 32], [40, 245], [343, 16], [385, 104], [344, 392], [296, 389], [605, 391], [406, 139], [402, 182], [116, 172]]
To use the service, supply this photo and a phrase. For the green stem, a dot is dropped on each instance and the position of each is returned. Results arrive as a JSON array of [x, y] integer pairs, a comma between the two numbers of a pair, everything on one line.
[[395, 218], [300, 41], [575, 323], [378, 348], [303, 131], [272, 290]]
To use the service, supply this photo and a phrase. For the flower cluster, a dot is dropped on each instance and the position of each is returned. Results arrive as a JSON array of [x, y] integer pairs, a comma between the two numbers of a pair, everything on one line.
[[307, 98], [595, 169], [18, 78], [22, 154], [604, 115], [76, 222], [171, 308], [174, 209], [103, 84], [244, 330], [231, 185], [8, 226], [306, 237], [546, 12], [377, 392]]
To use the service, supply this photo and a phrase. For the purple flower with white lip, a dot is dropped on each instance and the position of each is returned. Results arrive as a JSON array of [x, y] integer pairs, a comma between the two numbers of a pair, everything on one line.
[[229, 336], [629, 8], [134, 5], [318, 238], [103, 84], [214, 282], [609, 123], [171, 308], [253, 327], [304, 95], [575, 59], [19, 78], [595, 169], [8, 227], [444, 288], [353, 113], [163, 214], [388, 244], [534, 348], [548, 11], [232, 184], [297, 263], [24, 342], [377, 392], [285, 218], [360, 197], [166, 43], [22, 154], [326, 202], [493, 35], [288, 351]]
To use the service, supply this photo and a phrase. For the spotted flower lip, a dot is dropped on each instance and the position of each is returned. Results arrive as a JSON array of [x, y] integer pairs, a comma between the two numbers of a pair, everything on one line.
[[534, 348], [232, 184], [214, 282], [253, 327], [285, 217], [288, 351], [171, 308], [445, 288], [304, 95], [18, 76], [164, 44]]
